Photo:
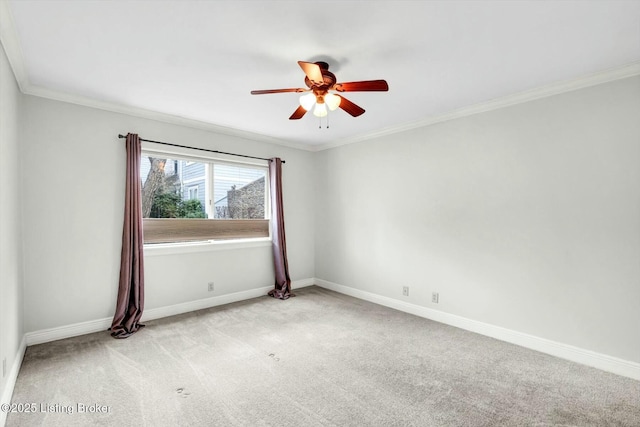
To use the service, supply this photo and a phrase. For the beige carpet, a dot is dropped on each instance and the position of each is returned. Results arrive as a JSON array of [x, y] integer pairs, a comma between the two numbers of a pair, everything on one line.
[[319, 359]]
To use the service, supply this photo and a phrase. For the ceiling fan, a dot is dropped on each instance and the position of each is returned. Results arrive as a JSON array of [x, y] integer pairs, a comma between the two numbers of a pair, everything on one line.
[[320, 81]]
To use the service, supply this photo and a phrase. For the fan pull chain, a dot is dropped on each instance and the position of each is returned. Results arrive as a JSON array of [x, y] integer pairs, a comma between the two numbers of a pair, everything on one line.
[[320, 122]]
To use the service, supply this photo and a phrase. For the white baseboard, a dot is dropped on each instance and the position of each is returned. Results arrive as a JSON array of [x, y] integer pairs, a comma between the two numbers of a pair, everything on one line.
[[564, 351], [297, 284], [7, 393], [67, 331], [200, 304], [98, 325], [186, 307]]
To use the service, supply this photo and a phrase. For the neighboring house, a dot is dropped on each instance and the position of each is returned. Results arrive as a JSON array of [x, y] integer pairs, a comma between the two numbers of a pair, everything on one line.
[[189, 177], [235, 186], [193, 178], [238, 191], [243, 203]]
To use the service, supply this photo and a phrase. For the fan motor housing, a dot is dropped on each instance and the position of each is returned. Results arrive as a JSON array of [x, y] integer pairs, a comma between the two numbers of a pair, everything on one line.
[[328, 77]]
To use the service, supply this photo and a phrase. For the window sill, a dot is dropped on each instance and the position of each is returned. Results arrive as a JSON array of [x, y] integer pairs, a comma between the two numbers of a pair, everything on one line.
[[158, 249]]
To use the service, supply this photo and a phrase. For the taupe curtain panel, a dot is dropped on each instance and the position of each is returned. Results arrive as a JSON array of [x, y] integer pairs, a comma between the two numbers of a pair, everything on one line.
[[282, 288], [130, 303]]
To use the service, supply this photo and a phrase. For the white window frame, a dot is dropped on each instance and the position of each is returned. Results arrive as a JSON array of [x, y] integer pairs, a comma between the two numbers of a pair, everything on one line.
[[180, 153]]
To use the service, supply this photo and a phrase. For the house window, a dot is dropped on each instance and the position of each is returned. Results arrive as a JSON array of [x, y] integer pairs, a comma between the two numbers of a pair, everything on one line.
[[186, 199], [193, 193]]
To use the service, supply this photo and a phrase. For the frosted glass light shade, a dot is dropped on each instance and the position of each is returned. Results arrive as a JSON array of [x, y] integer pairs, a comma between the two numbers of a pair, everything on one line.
[[320, 110], [332, 101], [307, 101]]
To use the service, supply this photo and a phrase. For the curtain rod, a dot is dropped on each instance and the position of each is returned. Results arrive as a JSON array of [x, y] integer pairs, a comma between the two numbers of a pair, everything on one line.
[[200, 149]]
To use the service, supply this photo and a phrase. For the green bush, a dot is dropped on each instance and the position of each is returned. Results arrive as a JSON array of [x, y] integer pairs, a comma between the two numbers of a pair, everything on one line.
[[191, 209], [169, 205], [165, 205]]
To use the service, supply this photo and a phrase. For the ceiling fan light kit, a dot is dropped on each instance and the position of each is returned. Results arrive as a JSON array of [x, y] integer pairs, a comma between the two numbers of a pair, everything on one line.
[[320, 110], [307, 101], [332, 101], [320, 81]]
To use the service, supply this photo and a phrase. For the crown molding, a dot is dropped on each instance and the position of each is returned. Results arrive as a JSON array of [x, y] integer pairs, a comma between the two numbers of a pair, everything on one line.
[[158, 116], [11, 45], [606, 76]]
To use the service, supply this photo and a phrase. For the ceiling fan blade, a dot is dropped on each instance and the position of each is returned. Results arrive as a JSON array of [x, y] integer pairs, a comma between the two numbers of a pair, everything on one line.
[[363, 86], [350, 107], [266, 91], [312, 71], [298, 113]]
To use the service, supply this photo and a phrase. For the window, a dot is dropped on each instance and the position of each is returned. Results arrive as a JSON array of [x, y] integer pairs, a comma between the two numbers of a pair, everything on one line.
[[239, 192], [184, 199], [193, 193]]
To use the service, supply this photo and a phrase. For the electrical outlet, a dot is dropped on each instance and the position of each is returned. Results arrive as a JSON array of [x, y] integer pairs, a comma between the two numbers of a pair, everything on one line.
[[405, 291], [210, 287], [435, 297], [4, 367]]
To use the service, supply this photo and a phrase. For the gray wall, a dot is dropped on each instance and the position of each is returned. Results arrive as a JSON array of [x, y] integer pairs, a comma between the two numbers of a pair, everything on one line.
[[11, 305], [527, 217], [73, 203]]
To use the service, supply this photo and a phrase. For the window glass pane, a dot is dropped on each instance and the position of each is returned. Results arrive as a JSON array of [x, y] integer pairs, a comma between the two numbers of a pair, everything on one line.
[[172, 188], [177, 192], [238, 192]]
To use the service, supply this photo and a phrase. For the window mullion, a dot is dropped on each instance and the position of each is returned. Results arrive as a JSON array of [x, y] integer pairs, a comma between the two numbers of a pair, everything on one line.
[[209, 190]]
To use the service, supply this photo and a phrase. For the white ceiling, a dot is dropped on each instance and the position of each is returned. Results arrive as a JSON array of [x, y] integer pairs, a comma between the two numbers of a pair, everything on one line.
[[200, 59]]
